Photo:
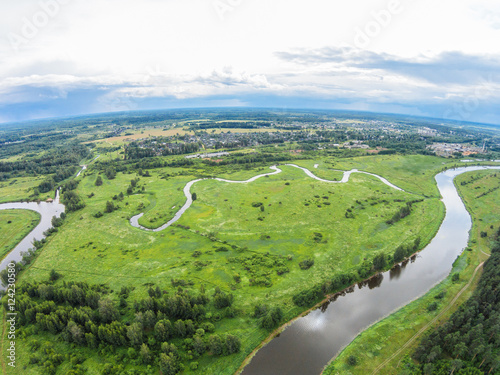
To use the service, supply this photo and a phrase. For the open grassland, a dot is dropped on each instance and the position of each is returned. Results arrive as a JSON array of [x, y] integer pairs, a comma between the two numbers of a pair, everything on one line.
[[295, 208], [21, 188], [144, 133], [224, 211], [413, 173], [14, 226], [383, 340], [227, 240]]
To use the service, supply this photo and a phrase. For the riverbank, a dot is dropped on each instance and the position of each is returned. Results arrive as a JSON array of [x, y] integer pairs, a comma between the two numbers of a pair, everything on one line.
[[300, 350], [427, 237], [384, 340], [46, 211], [109, 251], [15, 225]]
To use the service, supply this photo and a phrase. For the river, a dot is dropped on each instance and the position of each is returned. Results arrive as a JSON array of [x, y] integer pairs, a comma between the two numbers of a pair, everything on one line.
[[134, 220], [46, 210], [308, 343]]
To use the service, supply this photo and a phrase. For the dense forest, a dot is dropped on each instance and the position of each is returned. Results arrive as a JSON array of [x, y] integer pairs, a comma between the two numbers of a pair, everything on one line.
[[59, 161], [167, 329]]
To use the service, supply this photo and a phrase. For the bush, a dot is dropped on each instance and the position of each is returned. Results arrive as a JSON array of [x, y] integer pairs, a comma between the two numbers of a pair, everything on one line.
[[110, 173], [282, 270], [72, 201], [318, 237], [379, 262], [193, 366], [46, 186], [110, 207], [215, 345], [399, 254], [222, 300], [233, 344], [307, 297], [54, 275], [440, 295], [432, 307], [272, 318], [306, 264], [352, 360], [57, 222]]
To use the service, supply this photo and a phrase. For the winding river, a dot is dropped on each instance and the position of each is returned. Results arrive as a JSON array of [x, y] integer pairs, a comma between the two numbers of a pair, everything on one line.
[[46, 210], [308, 343], [134, 221]]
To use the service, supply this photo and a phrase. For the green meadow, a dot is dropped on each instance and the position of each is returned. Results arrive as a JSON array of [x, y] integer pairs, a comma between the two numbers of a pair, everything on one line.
[[21, 188], [413, 173], [14, 226], [382, 348], [247, 239]]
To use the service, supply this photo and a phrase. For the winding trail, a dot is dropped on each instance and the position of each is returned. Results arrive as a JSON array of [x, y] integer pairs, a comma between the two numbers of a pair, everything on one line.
[[134, 221]]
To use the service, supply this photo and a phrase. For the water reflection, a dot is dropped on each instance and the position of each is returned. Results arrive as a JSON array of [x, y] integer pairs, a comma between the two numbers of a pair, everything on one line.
[[375, 281], [372, 282], [395, 272], [304, 349], [46, 210]]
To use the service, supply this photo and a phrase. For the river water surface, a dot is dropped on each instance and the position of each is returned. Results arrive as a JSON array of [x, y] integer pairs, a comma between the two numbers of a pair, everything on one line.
[[311, 341], [307, 344], [47, 211]]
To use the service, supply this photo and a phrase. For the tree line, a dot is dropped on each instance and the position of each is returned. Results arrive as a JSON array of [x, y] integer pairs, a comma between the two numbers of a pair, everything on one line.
[[367, 268], [167, 329], [469, 342]]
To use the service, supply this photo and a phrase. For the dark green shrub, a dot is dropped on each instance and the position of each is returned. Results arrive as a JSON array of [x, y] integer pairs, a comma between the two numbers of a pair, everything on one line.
[[306, 264]]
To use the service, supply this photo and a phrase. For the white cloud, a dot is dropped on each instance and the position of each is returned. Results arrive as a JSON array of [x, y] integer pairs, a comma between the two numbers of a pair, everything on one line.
[[182, 48]]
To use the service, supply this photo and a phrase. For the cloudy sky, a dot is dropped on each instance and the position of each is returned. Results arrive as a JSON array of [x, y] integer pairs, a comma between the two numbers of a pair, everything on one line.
[[420, 57]]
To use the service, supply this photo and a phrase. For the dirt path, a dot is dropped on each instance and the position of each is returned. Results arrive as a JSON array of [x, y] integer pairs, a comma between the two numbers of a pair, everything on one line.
[[1, 345], [424, 328]]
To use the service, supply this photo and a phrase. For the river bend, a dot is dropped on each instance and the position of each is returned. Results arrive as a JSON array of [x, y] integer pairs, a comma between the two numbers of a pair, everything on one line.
[[134, 221], [47, 210], [308, 343]]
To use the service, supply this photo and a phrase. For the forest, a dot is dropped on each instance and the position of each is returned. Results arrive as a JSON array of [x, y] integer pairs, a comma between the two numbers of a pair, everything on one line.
[[469, 342], [169, 328]]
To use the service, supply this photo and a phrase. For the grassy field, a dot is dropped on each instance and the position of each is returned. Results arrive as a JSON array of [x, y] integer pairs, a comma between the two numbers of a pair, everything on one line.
[[14, 226], [21, 188], [413, 173], [385, 339], [230, 234]]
